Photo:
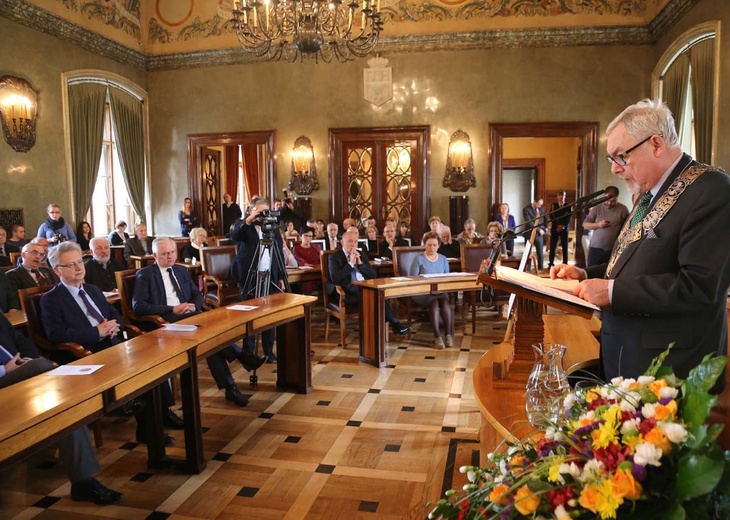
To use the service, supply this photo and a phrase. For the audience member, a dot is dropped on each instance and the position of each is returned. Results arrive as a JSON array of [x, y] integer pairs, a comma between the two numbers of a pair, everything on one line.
[[507, 221], [84, 235], [101, 268], [319, 231], [403, 230], [290, 232], [449, 248], [166, 289], [470, 234], [17, 236], [140, 244], [372, 237], [119, 237], [307, 255], [19, 360], [534, 217], [494, 230], [8, 296], [5, 248], [346, 266], [559, 227], [332, 240], [187, 217], [290, 213], [191, 252], [432, 262], [289, 260], [348, 223], [605, 220], [230, 212], [33, 270], [55, 229], [385, 248]]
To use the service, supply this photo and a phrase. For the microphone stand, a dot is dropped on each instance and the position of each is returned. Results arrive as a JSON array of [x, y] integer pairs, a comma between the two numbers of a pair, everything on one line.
[[509, 234]]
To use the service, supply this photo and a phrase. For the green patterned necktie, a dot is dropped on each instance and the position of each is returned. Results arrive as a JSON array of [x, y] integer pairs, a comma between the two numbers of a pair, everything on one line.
[[641, 208]]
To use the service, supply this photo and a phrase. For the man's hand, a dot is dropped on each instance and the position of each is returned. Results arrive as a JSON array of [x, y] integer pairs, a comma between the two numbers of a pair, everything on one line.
[[183, 308], [355, 257], [559, 228], [604, 223], [108, 328], [13, 363], [567, 272], [594, 291]]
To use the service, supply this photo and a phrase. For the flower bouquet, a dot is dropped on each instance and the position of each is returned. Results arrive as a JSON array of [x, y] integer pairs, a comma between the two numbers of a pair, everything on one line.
[[634, 448]]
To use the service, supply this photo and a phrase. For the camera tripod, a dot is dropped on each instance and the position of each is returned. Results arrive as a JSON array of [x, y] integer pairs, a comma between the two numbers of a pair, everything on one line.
[[258, 281]]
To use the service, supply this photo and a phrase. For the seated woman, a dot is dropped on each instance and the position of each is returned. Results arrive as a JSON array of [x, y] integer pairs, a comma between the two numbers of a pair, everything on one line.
[[507, 221], [290, 231], [119, 237], [431, 262], [372, 235], [289, 260], [494, 229], [83, 235], [403, 231], [197, 242], [307, 255]]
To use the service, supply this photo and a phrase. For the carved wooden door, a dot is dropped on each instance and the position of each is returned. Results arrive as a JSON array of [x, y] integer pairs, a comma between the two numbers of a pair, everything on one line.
[[210, 179]]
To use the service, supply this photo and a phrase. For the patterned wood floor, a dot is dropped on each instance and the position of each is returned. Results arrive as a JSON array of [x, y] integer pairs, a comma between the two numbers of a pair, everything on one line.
[[367, 443]]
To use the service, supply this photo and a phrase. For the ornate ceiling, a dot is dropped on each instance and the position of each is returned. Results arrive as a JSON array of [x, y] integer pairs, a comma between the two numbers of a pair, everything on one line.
[[163, 34]]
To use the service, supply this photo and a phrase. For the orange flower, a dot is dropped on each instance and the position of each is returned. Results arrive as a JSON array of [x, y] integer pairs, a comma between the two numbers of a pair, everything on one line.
[[624, 485], [663, 412], [526, 501], [498, 495], [589, 498], [656, 387], [656, 437]]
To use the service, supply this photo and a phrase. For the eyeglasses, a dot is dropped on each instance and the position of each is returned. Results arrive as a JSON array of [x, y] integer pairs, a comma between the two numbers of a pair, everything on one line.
[[36, 253], [620, 158], [54, 212], [308, 236], [72, 265]]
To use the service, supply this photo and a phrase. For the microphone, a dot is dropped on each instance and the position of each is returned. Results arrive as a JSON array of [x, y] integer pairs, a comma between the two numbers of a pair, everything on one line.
[[586, 198]]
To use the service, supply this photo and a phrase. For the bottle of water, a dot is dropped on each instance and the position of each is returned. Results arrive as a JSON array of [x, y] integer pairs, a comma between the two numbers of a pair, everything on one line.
[[547, 385]]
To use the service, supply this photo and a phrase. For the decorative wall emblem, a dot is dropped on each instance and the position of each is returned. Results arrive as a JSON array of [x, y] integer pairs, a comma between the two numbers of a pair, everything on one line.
[[378, 81]]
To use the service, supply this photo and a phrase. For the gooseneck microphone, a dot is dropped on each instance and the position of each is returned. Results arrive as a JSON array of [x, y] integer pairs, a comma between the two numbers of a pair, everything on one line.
[[586, 198]]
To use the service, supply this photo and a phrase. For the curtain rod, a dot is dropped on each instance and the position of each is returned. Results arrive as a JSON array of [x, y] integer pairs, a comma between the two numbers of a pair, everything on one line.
[[108, 83]]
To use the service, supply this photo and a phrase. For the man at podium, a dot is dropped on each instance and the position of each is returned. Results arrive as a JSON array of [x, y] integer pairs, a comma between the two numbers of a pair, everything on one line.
[[669, 271]]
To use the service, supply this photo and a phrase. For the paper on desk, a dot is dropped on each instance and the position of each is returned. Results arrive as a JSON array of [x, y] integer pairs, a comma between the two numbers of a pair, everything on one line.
[[74, 370], [107, 294], [180, 327], [441, 275], [400, 278], [242, 307], [305, 267]]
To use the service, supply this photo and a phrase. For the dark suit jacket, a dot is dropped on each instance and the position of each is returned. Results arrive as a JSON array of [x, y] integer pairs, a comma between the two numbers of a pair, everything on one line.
[[8, 295], [134, 247], [14, 342], [149, 291], [103, 278], [384, 251], [247, 240], [341, 271], [64, 321], [673, 286], [561, 217], [20, 278], [116, 240], [327, 243], [10, 248], [529, 214]]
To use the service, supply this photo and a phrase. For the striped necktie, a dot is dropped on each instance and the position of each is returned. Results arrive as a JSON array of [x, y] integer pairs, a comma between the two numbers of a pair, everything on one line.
[[641, 208]]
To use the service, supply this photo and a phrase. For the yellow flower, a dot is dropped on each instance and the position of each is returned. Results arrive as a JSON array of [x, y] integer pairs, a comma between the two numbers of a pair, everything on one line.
[[656, 437], [498, 495], [664, 412], [656, 387], [601, 499], [553, 472], [625, 486], [592, 394], [607, 433], [526, 501], [631, 441]]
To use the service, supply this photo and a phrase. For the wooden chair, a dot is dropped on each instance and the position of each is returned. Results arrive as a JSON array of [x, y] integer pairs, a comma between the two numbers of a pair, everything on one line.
[[180, 243], [333, 307], [472, 256], [125, 286], [223, 241], [14, 258], [218, 289], [402, 261]]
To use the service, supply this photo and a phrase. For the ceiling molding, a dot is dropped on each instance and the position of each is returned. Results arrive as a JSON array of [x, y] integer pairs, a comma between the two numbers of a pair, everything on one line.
[[36, 18]]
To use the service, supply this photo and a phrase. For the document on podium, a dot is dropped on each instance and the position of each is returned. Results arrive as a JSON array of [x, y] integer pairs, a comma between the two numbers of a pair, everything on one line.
[[560, 289]]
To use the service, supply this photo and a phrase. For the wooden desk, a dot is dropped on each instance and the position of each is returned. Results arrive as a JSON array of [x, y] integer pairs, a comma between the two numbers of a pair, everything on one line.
[[304, 275], [117, 253], [16, 318], [373, 294], [502, 401], [142, 261]]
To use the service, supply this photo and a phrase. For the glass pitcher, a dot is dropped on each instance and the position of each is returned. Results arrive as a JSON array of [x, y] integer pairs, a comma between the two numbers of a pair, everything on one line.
[[547, 385]]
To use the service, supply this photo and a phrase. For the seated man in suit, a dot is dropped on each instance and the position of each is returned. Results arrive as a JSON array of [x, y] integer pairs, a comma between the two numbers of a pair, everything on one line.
[[140, 244], [101, 268], [5, 248], [77, 312], [19, 360], [331, 240], [348, 265], [166, 289], [33, 270], [8, 296], [385, 248]]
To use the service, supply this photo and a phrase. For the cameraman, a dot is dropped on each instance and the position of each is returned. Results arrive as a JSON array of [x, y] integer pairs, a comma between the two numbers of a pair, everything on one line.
[[290, 214], [247, 234]]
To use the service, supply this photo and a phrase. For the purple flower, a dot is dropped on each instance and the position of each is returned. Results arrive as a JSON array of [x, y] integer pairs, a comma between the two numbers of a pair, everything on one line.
[[639, 472]]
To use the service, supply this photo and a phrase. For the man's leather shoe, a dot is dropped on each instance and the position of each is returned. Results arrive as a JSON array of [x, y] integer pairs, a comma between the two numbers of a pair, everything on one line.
[[129, 409], [234, 395], [251, 361], [91, 490], [399, 329], [141, 437], [172, 420], [271, 358]]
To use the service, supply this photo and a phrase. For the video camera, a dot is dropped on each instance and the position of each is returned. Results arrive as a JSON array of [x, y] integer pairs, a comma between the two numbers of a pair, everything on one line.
[[287, 197], [269, 222], [60, 237]]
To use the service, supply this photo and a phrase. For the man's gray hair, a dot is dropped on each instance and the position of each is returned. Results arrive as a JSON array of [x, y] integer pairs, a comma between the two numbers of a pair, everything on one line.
[[96, 240], [54, 256], [157, 241], [646, 118], [470, 221]]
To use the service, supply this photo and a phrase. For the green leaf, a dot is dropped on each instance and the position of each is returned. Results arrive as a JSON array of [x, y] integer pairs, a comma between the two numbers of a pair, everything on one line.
[[714, 432], [724, 485], [703, 376], [677, 512], [657, 362], [697, 475], [696, 408], [697, 437]]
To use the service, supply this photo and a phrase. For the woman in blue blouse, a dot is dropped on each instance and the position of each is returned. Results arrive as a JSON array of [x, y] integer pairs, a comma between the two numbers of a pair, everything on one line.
[[431, 262], [507, 221]]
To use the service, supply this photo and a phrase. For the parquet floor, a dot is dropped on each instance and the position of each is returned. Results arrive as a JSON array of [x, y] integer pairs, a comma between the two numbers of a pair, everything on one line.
[[367, 443]]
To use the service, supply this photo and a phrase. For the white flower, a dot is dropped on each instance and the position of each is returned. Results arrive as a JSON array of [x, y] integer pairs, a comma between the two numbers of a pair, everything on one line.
[[463, 469], [645, 380], [503, 467], [649, 410], [669, 392], [675, 432], [472, 476], [626, 383], [646, 453], [631, 425], [630, 401], [569, 401], [568, 469], [591, 469], [490, 456], [561, 513], [616, 381], [512, 450]]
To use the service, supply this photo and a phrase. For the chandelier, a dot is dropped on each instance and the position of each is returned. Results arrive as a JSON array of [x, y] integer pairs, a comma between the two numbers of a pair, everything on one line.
[[319, 29]]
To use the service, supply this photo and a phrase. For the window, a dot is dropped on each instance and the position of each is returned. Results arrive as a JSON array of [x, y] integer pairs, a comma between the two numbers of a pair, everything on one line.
[[110, 200]]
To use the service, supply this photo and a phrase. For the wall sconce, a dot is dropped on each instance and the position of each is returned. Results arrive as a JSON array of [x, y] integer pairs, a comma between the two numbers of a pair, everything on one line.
[[459, 163], [18, 111], [303, 168]]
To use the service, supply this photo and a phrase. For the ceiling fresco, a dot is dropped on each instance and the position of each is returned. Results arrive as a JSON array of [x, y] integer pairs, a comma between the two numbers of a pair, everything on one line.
[[161, 33]]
